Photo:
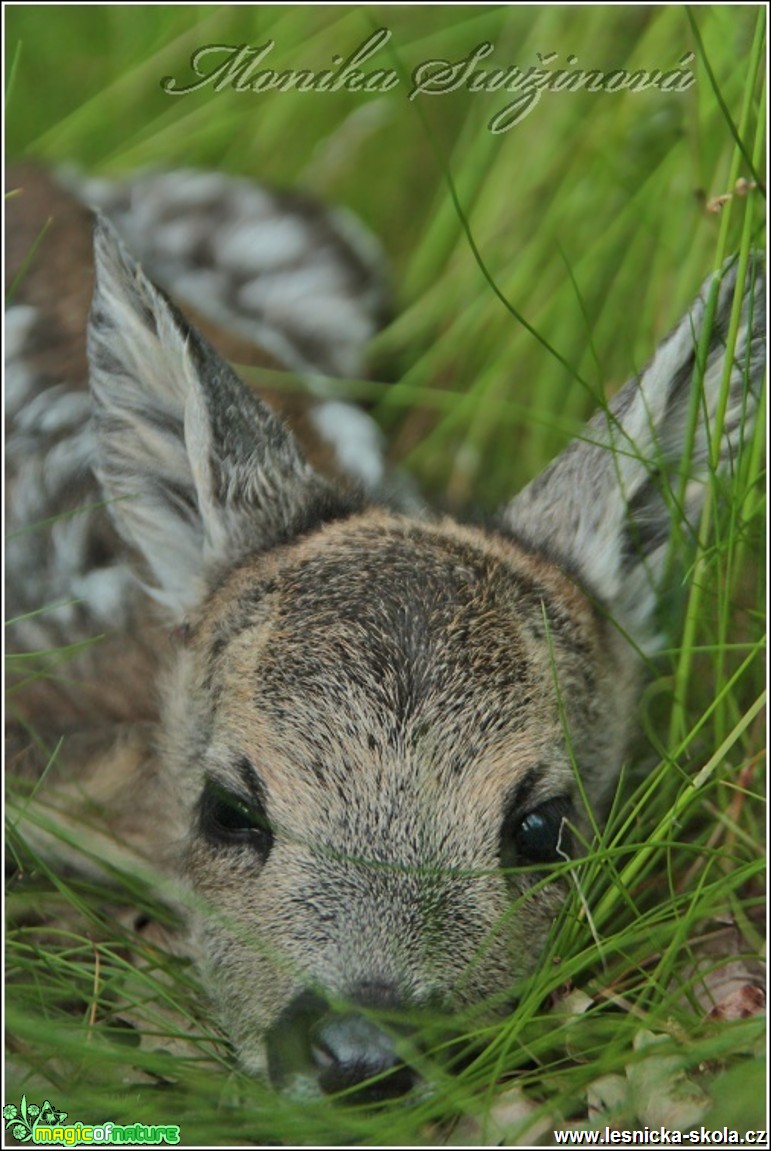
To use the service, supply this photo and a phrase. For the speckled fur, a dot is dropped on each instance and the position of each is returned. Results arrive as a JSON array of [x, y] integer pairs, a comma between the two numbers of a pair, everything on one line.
[[392, 683], [388, 685]]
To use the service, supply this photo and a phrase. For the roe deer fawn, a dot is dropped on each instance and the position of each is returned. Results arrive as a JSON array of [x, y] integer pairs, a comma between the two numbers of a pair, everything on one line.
[[361, 743]]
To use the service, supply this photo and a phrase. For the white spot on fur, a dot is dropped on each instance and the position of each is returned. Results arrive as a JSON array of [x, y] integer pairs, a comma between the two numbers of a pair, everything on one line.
[[19, 321], [249, 199], [177, 239], [68, 459], [256, 248], [186, 188], [287, 289], [356, 438], [339, 319], [54, 410], [199, 286], [106, 592]]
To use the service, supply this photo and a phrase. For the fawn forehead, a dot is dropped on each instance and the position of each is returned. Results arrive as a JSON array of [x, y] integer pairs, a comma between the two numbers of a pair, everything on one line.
[[378, 640]]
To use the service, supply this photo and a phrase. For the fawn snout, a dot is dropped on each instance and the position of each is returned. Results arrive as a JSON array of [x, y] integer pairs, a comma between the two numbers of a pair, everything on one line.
[[314, 1048], [367, 1049]]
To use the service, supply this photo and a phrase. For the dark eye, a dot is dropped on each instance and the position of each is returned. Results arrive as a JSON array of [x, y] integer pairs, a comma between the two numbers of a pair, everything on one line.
[[229, 819], [539, 836]]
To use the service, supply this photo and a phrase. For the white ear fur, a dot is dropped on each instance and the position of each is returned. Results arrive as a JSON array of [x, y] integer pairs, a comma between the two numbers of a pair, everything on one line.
[[604, 507], [197, 471]]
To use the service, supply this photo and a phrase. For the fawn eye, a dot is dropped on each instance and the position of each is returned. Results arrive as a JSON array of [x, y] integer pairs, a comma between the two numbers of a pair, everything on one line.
[[540, 836], [226, 818]]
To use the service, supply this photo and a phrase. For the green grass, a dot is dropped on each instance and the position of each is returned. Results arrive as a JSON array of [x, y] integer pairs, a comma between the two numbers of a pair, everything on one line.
[[533, 272]]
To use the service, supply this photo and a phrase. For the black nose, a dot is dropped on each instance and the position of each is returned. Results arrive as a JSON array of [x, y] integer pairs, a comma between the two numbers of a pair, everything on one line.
[[349, 1049], [338, 1050]]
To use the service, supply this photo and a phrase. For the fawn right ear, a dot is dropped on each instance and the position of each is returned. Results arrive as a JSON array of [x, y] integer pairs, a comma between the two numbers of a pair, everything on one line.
[[197, 471], [605, 507]]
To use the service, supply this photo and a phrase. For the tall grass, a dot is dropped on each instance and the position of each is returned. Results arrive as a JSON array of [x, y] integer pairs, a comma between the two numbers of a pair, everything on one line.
[[533, 272]]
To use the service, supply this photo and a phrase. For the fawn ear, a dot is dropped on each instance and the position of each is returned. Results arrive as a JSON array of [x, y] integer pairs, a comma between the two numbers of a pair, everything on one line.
[[605, 507], [196, 470]]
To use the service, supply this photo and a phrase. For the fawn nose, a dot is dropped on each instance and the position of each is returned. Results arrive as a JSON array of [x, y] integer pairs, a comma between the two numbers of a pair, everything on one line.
[[337, 1051], [349, 1049]]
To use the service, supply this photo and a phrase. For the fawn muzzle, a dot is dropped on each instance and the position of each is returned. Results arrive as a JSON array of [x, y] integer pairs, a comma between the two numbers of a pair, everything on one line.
[[314, 1048]]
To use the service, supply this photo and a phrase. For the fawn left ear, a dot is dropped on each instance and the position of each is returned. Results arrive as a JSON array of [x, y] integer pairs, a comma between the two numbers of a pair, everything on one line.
[[605, 507], [196, 470]]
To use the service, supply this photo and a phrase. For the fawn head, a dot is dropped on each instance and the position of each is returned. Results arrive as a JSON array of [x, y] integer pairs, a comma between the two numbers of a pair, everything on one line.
[[373, 723]]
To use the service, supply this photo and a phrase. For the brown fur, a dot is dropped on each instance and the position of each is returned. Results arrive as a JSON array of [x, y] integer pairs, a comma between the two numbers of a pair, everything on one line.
[[387, 780], [368, 729]]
